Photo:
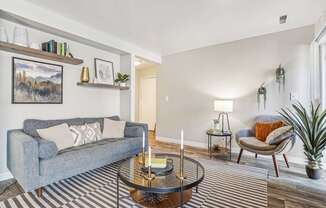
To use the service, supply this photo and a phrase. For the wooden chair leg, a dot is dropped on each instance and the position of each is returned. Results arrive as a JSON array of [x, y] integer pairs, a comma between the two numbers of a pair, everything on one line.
[[239, 157], [275, 166], [256, 155], [286, 161], [39, 192]]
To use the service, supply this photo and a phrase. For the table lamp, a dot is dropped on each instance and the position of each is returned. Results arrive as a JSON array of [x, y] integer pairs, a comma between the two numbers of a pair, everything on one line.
[[223, 107]]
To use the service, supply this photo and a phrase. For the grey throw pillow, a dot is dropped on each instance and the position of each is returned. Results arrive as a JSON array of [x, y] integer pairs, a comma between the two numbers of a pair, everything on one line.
[[279, 135]]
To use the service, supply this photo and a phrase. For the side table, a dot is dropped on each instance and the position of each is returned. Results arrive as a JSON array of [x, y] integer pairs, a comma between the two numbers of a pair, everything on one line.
[[219, 134]]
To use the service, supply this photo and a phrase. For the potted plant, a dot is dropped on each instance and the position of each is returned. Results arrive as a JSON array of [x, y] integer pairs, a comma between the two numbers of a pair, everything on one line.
[[309, 126], [122, 79]]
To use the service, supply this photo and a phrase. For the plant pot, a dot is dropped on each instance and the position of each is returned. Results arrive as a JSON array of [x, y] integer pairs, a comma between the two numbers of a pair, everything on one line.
[[123, 84], [313, 173]]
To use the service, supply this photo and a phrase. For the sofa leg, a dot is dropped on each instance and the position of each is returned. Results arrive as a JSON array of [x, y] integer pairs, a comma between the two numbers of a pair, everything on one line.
[[256, 155], [275, 166], [286, 161], [239, 157], [39, 192]]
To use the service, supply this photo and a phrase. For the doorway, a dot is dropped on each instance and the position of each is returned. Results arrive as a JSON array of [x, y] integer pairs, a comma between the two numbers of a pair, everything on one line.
[[145, 109]]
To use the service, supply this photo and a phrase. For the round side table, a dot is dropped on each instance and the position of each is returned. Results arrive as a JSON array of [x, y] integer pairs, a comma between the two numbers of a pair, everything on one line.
[[219, 134]]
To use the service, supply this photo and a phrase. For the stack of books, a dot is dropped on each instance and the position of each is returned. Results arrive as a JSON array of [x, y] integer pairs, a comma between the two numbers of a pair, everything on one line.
[[157, 162], [54, 47]]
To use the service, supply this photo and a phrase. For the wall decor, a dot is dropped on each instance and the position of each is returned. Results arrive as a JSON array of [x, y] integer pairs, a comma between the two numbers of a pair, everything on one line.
[[280, 77], [104, 71], [35, 82], [21, 36], [3, 34], [261, 94]]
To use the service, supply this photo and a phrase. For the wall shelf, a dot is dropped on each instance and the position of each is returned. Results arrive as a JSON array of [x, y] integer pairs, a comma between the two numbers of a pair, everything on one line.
[[13, 48], [99, 85]]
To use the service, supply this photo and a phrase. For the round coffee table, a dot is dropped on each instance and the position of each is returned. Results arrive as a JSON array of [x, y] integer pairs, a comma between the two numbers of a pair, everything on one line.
[[162, 191]]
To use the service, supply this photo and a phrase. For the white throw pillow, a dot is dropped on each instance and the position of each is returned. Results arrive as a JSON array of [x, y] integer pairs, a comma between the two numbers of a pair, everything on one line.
[[59, 134], [279, 135], [87, 133], [113, 129]]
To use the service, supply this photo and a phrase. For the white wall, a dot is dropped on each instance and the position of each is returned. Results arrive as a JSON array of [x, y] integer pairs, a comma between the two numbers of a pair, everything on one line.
[[77, 101], [193, 79]]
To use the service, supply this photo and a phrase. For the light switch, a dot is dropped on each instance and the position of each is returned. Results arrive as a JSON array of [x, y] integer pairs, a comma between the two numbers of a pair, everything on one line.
[[167, 98]]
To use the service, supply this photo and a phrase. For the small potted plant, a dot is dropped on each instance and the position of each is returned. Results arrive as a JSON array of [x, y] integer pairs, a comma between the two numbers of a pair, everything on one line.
[[309, 126], [122, 79]]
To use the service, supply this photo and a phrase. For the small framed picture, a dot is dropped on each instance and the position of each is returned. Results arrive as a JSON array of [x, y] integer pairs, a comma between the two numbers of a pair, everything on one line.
[[104, 71], [35, 82]]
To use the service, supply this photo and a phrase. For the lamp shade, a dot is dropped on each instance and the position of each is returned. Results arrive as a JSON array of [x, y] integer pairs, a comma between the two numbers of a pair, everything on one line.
[[223, 106]]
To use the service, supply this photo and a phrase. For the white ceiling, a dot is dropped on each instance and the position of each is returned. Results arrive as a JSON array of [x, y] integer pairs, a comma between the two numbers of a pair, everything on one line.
[[171, 26]]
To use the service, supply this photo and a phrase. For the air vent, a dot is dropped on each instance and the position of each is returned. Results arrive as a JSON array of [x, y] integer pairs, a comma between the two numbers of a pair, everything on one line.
[[283, 19]]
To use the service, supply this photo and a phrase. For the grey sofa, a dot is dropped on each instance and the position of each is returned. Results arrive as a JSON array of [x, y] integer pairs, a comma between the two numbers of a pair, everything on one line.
[[247, 141], [36, 162]]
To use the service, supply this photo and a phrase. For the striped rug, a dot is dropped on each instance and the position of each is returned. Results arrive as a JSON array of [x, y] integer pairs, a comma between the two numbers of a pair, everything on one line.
[[224, 185]]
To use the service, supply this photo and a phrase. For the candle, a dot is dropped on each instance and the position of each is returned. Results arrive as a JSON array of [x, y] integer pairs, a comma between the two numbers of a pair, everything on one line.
[[143, 140], [149, 156], [182, 139]]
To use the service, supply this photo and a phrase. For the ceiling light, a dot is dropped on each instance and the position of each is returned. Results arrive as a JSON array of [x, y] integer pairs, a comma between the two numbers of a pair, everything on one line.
[[283, 19]]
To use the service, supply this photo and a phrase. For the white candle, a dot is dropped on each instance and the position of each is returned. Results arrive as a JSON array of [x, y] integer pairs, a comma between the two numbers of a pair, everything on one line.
[[182, 139], [143, 140], [149, 156]]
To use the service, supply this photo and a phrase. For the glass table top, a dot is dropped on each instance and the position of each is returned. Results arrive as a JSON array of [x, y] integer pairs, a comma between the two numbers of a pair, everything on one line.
[[130, 172]]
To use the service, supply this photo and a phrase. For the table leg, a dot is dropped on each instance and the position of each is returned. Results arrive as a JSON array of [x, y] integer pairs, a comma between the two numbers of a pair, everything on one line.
[[181, 195], [197, 179], [230, 147], [210, 147], [208, 143], [118, 191]]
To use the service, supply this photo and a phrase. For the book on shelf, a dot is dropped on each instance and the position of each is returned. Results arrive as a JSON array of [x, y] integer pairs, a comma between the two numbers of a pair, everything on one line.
[[55, 47]]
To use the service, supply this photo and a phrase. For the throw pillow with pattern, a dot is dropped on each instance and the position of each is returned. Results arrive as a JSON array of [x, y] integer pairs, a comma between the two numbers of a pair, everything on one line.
[[87, 133]]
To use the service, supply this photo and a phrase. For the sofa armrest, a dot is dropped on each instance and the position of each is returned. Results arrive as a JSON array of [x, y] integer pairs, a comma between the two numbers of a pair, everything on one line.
[[243, 133], [133, 131], [143, 126], [22, 158]]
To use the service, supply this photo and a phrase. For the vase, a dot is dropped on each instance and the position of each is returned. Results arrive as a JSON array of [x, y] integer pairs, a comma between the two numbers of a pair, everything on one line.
[[84, 77], [313, 170], [123, 84]]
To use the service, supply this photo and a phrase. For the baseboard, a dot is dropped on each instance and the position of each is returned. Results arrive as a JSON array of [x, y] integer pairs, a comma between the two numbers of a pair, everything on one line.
[[235, 149], [5, 176], [177, 141]]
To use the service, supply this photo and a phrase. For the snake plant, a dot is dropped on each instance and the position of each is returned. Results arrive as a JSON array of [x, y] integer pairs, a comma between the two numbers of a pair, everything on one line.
[[309, 126]]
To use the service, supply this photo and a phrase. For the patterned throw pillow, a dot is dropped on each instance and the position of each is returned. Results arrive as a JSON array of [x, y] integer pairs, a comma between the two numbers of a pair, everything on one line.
[[279, 135], [87, 133]]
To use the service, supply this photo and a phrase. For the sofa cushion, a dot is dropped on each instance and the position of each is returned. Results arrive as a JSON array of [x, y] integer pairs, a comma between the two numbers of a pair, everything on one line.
[[256, 144], [87, 133], [113, 129], [78, 159], [46, 149], [31, 125], [59, 134], [99, 119]]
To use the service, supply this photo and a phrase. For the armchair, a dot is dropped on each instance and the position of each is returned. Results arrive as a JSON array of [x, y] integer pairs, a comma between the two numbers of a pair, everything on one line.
[[247, 141]]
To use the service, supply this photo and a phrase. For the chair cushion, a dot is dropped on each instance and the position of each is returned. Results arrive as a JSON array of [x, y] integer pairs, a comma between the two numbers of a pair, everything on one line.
[[264, 129], [279, 135], [255, 144]]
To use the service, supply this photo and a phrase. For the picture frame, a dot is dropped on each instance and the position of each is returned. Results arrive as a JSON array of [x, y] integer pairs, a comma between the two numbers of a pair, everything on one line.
[[35, 82], [104, 71]]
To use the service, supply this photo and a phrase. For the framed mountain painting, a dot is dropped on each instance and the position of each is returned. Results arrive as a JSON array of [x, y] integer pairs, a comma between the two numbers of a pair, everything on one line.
[[35, 82]]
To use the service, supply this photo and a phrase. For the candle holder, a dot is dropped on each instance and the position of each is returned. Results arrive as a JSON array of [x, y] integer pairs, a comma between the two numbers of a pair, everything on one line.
[[149, 175], [142, 158], [181, 175]]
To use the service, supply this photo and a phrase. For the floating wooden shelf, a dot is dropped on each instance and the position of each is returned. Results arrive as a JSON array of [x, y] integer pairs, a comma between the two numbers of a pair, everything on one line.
[[13, 48], [99, 85]]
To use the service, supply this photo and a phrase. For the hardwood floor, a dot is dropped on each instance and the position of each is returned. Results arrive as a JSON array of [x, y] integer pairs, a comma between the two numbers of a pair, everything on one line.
[[291, 190]]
